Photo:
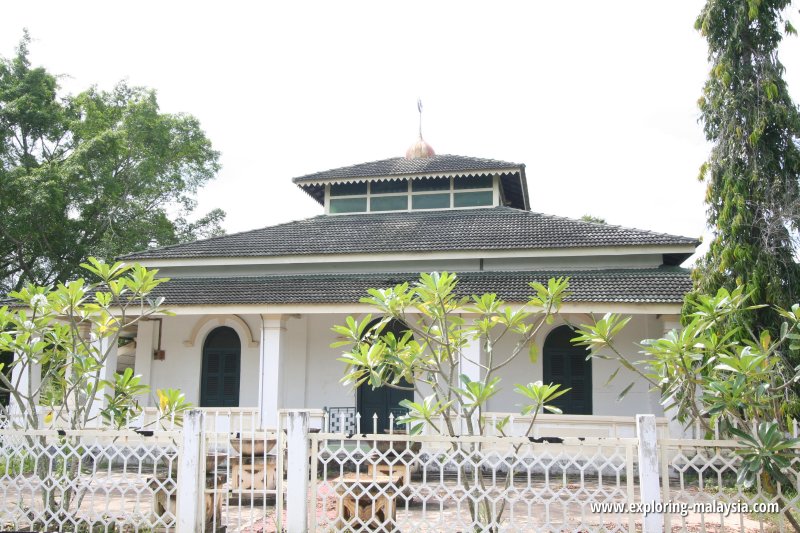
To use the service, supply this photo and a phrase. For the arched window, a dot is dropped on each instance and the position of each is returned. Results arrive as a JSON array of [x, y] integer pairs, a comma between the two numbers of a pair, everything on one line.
[[219, 383], [385, 400], [566, 364]]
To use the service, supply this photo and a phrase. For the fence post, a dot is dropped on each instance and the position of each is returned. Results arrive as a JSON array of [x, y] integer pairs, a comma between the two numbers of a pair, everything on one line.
[[189, 490], [297, 472], [649, 486]]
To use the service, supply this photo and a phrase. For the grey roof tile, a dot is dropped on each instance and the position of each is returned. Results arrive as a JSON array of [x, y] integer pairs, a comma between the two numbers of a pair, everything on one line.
[[397, 166], [497, 228], [658, 285]]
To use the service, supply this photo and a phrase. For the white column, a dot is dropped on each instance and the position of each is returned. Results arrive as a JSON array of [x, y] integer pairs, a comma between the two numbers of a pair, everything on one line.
[[107, 348], [469, 365], [26, 376], [297, 472], [273, 329], [145, 343], [190, 470], [470, 361], [649, 485], [295, 342]]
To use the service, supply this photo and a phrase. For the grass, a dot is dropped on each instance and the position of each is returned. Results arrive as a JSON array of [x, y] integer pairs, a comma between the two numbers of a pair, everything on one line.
[[17, 465]]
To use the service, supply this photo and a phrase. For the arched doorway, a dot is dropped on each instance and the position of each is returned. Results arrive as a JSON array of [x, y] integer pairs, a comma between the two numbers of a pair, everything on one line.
[[383, 401], [566, 364], [219, 382]]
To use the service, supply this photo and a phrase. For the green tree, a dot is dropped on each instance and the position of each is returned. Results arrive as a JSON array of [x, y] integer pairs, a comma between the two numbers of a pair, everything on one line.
[[100, 174], [753, 169], [592, 218], [438, 325]]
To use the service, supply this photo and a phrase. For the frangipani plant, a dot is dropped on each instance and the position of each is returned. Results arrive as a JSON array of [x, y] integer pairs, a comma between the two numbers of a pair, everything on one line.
[[736, 383], [437, 325], [67, 334]]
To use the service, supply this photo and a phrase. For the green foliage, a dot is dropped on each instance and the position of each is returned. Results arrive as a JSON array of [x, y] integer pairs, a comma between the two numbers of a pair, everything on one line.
[[713, 373], [539, 396], [172, 405], [752, 172], [121, 401], [69, 331], [102, 173], [429, 352], [17, 465], [419, 413], [768, 453], [438, 325], [592, 218]]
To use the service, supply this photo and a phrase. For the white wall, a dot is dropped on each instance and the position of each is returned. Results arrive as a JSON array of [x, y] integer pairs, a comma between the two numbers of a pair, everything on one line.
[[182, 365], [323, 388], [604, 398], [311, 374], [324, 371]]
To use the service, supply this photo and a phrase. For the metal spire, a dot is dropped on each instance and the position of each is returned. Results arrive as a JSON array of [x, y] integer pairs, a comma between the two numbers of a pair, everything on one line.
[[419, 108]]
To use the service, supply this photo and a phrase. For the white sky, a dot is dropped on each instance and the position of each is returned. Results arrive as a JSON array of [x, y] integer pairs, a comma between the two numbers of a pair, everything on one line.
[[598, 99]]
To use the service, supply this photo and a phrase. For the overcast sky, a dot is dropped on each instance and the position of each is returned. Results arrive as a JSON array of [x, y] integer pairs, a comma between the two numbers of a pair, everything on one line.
[[598, 99]]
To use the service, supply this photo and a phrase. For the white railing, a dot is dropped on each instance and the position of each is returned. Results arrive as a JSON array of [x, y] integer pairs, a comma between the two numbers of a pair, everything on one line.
[[699, 483], [224, 419], [579, 426], [220, 419], [437, 483], [348, 420], [303, 477], [81, 480]]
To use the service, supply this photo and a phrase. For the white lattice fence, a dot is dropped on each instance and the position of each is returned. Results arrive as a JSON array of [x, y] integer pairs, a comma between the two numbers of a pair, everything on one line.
[[79, 480], [434, 483], [699, 489]]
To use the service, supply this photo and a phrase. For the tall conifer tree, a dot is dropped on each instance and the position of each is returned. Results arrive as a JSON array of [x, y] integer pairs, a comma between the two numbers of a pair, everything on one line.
[[752, 172]]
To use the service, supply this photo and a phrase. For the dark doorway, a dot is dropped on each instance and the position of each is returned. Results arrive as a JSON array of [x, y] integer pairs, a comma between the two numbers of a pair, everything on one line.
[[566, 364], [383, 401], [219, 383]]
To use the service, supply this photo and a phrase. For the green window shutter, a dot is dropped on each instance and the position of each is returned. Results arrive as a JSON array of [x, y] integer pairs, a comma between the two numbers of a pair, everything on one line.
[[230, 380], [210, 387], [566, 364], [221, 370]]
